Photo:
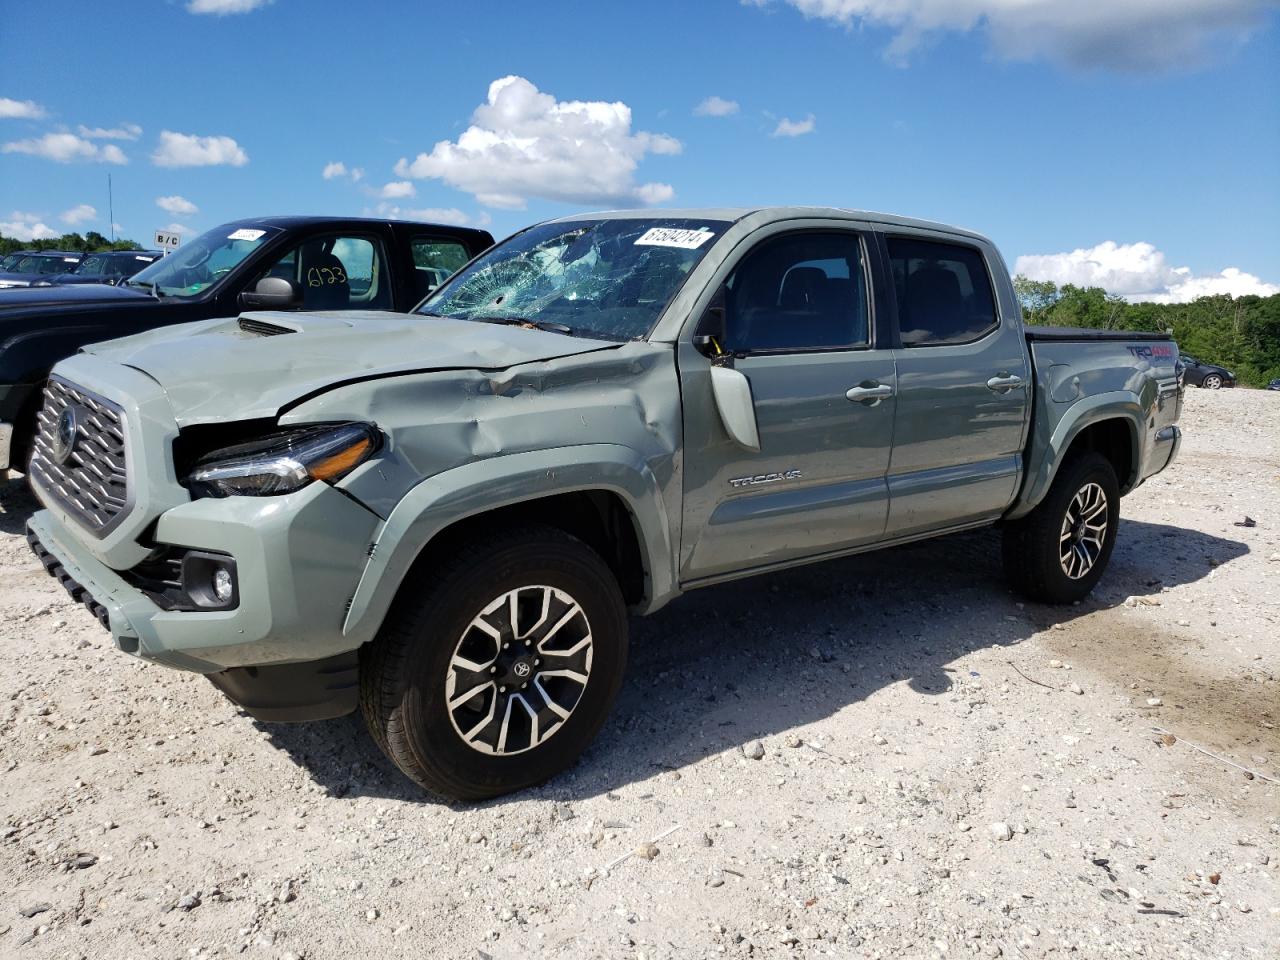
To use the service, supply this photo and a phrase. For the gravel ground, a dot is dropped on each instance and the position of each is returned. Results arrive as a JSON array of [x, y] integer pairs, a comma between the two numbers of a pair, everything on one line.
[[886, 756]]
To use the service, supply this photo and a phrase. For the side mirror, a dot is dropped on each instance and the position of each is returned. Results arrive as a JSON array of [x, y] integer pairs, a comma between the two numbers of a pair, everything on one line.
[[272, 293], [732, 392]]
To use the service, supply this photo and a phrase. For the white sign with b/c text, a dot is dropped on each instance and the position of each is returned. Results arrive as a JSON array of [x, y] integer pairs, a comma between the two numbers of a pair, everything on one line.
[[168, 242]]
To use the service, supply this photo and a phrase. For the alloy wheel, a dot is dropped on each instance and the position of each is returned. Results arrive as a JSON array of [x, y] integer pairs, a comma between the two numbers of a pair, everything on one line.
[[1084, 531], [1212, 382], [519, 670]]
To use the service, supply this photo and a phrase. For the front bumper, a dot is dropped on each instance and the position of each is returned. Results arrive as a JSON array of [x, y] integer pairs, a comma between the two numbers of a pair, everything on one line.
[[299, 558]]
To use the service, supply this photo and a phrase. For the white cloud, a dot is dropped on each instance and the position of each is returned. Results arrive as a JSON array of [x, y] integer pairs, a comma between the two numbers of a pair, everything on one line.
[[177, 206], [451, 215], [221, 8], [66, 148], [397, 190], [1126, 35], [794, 128], [20, 109], [339, 169], [189, 150], [716, 107], [1137, 271], [126, 131], [26, 227], [523, 143], [177, 228], [81, 213]]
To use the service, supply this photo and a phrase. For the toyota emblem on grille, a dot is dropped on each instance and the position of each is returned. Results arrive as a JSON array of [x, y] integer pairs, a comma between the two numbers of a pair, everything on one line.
[[64, 437]]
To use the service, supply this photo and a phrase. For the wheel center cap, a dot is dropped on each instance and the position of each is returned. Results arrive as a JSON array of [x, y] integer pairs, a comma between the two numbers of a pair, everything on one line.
[[515, 668]]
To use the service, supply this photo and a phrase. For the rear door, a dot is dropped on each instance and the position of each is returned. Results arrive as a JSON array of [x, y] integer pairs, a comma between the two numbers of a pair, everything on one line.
[[963, 387], [799, 322]]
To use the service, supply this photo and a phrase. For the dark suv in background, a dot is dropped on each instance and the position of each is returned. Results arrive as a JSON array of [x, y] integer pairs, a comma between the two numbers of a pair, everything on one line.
[[1207, 375], [39, 266], [111, 267]]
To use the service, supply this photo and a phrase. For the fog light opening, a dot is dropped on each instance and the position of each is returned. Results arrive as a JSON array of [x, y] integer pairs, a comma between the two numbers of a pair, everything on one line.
[[210, 581]]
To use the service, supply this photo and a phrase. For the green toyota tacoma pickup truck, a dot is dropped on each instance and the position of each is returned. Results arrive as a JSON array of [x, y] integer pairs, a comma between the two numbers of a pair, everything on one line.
[[443, 518]]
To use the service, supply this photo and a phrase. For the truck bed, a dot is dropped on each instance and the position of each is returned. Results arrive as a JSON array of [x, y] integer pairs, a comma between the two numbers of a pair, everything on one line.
[[1086, 333]]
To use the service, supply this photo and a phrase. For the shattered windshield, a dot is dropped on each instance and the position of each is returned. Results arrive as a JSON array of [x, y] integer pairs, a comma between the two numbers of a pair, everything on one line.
[[199, 264], [609, 279]]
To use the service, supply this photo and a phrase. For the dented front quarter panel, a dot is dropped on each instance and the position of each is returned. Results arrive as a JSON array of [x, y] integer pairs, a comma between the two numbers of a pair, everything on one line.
[[463, 442]]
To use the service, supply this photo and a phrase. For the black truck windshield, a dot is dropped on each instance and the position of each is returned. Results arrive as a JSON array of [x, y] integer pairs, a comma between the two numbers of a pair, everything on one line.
[[608, 278], [199, 264]]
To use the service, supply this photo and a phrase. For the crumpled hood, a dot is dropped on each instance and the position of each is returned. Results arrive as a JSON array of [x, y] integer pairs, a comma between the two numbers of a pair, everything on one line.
[[253, 365]]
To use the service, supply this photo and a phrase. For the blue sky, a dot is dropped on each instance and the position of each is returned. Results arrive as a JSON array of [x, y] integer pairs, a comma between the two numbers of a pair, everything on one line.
[[1109, 141]]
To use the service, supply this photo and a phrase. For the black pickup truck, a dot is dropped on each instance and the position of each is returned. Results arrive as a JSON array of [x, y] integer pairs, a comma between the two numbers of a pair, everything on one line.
[[271, 263]]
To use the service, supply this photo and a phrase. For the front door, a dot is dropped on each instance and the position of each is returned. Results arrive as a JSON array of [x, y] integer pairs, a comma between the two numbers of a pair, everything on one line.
[[963, 390], [797, 322]]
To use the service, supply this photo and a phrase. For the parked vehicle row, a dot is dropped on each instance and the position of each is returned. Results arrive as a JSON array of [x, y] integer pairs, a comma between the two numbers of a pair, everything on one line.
[[111, 267], [38, 266], [442, 517]]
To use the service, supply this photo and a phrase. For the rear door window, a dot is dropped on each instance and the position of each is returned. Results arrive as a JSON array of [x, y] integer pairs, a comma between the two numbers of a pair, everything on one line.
[[434, 261], [943, 290]]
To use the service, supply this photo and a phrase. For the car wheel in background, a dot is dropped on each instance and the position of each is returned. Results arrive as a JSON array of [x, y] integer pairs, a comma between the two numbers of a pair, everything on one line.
[[1058, 552], [495, 671], [1211, 382]]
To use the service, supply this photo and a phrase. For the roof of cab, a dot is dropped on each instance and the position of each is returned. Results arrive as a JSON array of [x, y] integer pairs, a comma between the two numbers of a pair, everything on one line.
[[291, 221], [772, 215]]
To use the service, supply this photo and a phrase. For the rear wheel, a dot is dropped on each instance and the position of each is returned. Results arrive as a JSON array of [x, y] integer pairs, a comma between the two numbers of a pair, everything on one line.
[[1058, 552], [496, 673], [1212, 382]]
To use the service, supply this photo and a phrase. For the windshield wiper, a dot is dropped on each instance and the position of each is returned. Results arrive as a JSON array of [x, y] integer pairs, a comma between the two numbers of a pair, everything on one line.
[[149, 287], [547, 325]]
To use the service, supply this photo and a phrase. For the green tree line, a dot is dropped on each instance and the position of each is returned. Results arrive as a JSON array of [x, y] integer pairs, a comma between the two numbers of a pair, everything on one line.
[[1239, 333], [90, 242]]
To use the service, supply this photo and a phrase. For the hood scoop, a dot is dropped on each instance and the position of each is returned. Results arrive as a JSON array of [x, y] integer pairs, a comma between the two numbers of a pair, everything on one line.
[[263, 328]]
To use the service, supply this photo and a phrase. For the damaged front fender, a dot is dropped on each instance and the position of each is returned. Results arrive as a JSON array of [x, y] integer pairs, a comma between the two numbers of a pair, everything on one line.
[[485, 485]]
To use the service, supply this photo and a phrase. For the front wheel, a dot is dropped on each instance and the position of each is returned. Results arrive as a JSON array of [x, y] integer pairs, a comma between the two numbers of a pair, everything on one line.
[[496, 673], [1212, 382], [1058, 552]]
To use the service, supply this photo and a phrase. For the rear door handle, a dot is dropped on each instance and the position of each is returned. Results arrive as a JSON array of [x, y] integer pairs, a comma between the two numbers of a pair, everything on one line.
[[1003, 383], [869, 393]]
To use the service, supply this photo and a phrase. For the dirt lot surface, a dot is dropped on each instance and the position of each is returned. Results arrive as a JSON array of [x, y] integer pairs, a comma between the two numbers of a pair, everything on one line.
[[941, 770]]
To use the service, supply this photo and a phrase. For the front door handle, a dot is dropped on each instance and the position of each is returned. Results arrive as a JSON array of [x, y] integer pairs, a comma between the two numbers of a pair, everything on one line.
[[1003, 382], [869, 393]]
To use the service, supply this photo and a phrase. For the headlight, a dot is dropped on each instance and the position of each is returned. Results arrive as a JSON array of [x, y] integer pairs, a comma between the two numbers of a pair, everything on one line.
[[284, 462]]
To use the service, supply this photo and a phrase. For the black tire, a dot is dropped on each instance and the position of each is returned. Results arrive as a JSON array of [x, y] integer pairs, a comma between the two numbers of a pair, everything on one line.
[[403, 672], [1212, 382], [1032, 560]]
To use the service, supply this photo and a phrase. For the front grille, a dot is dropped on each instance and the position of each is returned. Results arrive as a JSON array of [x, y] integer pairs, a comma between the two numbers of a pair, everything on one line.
[[79, 454]]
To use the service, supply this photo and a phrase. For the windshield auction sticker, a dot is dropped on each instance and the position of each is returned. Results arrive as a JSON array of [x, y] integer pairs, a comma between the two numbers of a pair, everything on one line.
[[670, 237], [244, 234]]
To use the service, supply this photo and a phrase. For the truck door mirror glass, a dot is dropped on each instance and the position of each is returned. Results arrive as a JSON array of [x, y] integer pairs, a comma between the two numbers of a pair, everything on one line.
[[272, 293]]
